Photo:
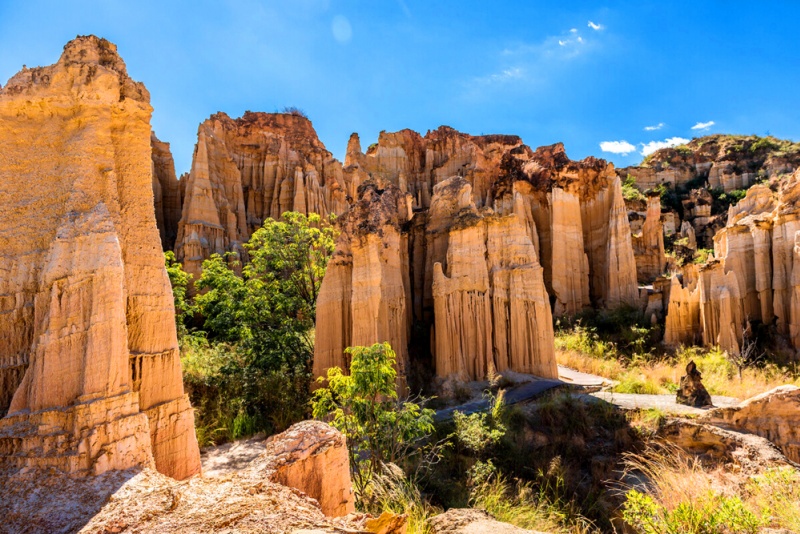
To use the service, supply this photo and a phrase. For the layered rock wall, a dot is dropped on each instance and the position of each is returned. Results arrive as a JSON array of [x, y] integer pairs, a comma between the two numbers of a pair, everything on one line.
[[87, 305], [648, 247], [492, 235], [249, 169], [754, 277]]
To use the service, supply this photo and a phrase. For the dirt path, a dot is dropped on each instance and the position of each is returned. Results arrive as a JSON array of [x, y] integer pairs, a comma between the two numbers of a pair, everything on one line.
[[665, 403]]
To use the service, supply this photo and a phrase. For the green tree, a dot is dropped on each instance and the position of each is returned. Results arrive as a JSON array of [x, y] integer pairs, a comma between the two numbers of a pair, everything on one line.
[[364, 405], [267, 313], [179, 279]]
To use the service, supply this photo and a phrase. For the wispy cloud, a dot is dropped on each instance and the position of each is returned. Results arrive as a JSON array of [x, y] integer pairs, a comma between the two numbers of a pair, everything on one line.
[[652, 146], [519, 63], [505, 75], [617, 147], [703, 125], [594, 26], [654, 128]]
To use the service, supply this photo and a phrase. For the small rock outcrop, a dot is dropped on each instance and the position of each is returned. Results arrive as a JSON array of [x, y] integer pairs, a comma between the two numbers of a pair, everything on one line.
[[713, 444], [774, 415], [249, 169], [312, 457], [91, 377], [692, 392], [301, 481]]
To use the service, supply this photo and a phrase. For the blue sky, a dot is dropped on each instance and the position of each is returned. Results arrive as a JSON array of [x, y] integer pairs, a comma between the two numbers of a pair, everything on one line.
[[583, 73]]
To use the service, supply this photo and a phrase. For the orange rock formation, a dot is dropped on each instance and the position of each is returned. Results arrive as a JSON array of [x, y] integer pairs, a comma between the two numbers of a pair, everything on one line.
[[248, 169], [754, 278], [474, 235], [87, 306], [648, 247]]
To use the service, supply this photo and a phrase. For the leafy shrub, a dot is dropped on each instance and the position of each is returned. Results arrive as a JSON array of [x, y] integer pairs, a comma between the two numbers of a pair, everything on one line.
[[711, 514], [364, 405], [480, 431], [702, 255], [250, 368]]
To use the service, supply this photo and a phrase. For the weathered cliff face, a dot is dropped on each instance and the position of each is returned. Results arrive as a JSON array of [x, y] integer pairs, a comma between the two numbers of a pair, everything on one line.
[[498, 230], [587, 253], [728, 162], [648, 246], [699, 180], [754, 278], [491, 308], [366, 293], [167, 195], [415, 164], [89, 361], [248, 169]]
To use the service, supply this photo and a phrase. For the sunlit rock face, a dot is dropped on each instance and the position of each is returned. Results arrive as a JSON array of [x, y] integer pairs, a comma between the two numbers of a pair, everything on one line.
[[249, 169], [648, 245], [89, 364], [753, 278], [480, 239]]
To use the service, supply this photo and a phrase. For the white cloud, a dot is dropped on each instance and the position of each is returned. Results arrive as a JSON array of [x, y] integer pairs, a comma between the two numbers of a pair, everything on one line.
[[652, 146], [617, 147], [654, 128], [505, 75], [594, 26], [573, 30], [562, 43], [703, 125]]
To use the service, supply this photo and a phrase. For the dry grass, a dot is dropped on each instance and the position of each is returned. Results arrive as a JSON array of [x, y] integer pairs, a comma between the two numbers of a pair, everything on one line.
[[674, 492], [661, 375]]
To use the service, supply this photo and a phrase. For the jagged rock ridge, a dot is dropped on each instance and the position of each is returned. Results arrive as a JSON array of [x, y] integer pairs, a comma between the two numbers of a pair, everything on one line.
[[87, 306], [248, 169], [472, 259]]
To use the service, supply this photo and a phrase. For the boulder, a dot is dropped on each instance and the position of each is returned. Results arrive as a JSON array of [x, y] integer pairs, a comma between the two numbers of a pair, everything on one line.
[[472, 521], [691, 391], [774, 415]]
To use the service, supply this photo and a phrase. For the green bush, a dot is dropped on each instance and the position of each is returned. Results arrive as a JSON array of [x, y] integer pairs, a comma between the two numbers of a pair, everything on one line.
[[479, 432], [380, 428], [713, 514], [249, 370]]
